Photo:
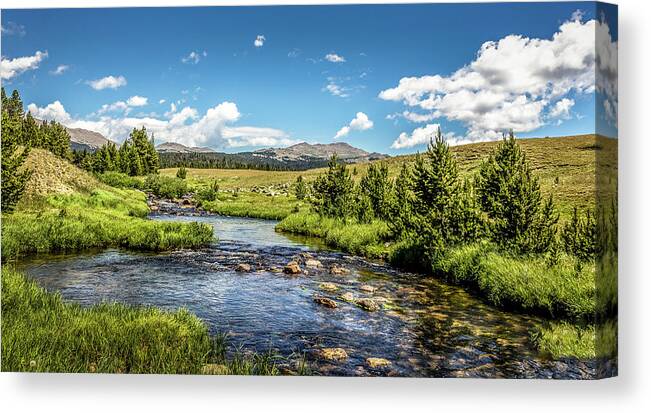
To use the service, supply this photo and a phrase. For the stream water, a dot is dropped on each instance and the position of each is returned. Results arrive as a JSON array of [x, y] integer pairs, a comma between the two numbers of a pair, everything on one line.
[[423, 326]]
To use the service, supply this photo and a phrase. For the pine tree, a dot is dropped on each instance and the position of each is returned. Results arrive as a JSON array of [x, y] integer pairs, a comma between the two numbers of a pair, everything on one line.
[[14, 181], [510, 196], [334, 190], [181, 172], [31, 132], [376, 186], [300, 188], [400, 210]]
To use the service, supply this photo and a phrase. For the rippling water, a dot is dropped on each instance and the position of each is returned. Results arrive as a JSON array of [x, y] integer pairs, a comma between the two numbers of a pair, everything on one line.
[[423, 327]]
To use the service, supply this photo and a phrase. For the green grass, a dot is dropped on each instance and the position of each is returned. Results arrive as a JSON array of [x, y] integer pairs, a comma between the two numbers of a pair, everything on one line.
[[361, 239], [103, 218], [560, 340], [527, 283], [254, 205], [42, 333]]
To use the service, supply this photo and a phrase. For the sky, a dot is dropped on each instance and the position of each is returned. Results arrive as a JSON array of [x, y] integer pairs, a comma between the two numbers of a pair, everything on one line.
[[382, 78]]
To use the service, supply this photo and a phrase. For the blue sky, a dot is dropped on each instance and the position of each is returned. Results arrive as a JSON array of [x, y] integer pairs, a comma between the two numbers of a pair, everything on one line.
[[240, 78]]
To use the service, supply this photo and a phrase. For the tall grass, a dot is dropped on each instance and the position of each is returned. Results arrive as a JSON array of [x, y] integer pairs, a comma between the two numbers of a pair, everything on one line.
[[42, 333], [349, 236], [254, 205], [103, 218]]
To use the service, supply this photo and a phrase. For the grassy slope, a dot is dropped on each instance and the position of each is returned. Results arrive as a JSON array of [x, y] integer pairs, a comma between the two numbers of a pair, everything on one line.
[[565, 166], [67, 209]]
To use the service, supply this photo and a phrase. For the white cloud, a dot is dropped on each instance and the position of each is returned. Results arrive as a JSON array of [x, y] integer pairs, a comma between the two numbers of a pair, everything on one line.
[[135, 101], [606, 73], [122, 106], [561, 109], [59, 70], [361, 122], [13, 67], [425, 134], [160, 102], [186, 126], [508, 86], [259, 41], [108, 82], [334, 58], [294, 53], [194, 57], [53, 111], [13, 28], [336, 90]]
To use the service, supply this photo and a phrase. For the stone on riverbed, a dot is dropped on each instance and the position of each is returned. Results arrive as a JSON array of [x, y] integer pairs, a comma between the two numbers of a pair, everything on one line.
[[348, 297], [328, 287], [313, 263], [243, 268], [326, 302], [337, 270], [367, 288], [333, 354], [292, 268], [367, 304], [377, 362]]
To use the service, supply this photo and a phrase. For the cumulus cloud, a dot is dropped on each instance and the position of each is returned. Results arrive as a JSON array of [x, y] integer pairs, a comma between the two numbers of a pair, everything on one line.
[[337, 90], [334, 58], [123, 106], [53, 111], [606, 73], [259, 40], [425, 134], [10, 68], [194, 57], [135, 101], [108, 82], [61, 69], [511, 84], [561, 109], [160, 102], [361, 122], [186, 126]]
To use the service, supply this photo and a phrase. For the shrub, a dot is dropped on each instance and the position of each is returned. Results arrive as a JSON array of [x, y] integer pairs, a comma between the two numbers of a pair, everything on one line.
[[165, 186], [181, 173], [301, 188], [120, 180], [580, 236]]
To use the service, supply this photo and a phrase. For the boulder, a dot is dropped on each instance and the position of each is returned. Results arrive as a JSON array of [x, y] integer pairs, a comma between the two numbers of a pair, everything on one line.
[[292, 267], [377, 362], [367, 304], [326, 302], [243, 267], [333, 354]]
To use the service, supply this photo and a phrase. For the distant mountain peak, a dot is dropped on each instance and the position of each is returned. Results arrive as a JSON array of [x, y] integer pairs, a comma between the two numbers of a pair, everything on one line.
[[318, 151], [173, 147]]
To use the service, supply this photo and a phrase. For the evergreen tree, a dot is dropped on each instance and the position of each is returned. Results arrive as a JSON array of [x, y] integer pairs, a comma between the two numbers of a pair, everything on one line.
[[31, 132], [400, 212], [376, 186], [301, 188], [333, 191], [181, 172], [510, 196], [14, 181]]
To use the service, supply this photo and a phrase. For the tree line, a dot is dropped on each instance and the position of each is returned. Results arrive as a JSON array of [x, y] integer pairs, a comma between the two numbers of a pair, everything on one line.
[[219, 161], [432, 207], [21, 132]]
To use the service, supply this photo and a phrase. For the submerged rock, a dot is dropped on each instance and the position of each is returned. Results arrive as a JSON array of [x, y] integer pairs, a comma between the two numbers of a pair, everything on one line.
[[328, 287], [243, 268], [333, 354], [313, 263], [377, 362], [292, 268], [367, 304], [326, 302], [348, 297], [337, 270], [275, 269], [367, 288]]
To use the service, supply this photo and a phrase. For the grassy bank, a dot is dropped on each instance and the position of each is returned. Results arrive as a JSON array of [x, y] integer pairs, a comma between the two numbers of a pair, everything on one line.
[[66, 209], [42, 333], [352, 237], [254, 205]]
